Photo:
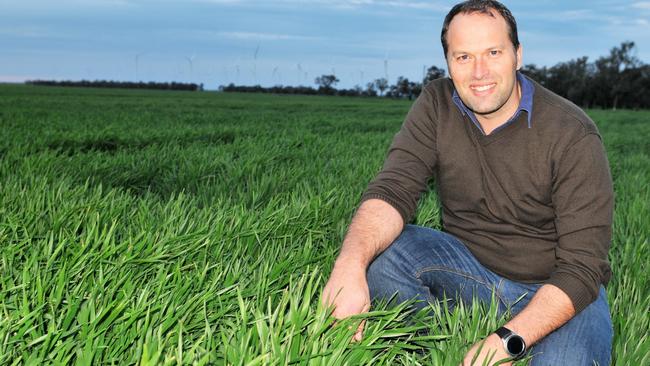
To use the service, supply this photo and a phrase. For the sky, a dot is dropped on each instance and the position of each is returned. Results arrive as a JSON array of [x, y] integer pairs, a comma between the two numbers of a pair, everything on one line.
[[287, 42]]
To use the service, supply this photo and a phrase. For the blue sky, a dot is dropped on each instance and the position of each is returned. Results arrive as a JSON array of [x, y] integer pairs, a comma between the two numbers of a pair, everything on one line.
[[287, 42]]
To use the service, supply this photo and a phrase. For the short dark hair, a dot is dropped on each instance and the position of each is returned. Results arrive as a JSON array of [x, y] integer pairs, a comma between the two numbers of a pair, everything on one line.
[[482, 7]]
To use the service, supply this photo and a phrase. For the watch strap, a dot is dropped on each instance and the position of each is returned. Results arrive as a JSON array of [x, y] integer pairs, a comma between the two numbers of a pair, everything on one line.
[[503, 332]]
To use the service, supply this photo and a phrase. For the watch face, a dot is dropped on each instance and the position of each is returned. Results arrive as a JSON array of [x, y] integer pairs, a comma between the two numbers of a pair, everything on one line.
[[515, 345]]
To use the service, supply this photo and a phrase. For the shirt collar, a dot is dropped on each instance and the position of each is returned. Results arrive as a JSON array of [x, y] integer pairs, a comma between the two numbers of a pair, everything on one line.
[[525, 103]]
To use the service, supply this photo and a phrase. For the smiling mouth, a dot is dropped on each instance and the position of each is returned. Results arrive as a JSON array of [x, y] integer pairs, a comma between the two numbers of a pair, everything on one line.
[[482, 88]]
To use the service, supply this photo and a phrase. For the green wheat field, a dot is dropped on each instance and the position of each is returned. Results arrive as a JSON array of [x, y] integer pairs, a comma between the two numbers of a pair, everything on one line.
[[152, 227]]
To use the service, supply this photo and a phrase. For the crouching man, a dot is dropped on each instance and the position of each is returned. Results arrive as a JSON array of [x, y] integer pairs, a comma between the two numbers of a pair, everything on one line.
[[526, 202]]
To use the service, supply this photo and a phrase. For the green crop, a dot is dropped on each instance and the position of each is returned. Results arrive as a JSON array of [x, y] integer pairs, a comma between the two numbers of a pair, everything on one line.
[[144, 227]]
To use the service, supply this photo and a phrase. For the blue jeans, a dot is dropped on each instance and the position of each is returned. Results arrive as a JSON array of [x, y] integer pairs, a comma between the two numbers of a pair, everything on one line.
[[428, 265]]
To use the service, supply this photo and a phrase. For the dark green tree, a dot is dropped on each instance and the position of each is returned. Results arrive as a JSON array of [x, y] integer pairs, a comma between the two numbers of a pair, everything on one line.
[[433, 73], [614, 79], [381, 84], [326, 83], [571, 79], [370, 90]]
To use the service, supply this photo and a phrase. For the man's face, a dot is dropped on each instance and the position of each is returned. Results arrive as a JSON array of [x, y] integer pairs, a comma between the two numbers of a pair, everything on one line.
[[482, 64]]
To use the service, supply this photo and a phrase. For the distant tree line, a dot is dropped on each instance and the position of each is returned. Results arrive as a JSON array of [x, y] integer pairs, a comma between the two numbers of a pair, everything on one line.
[[403, 88], [618, 80], [120, 84]]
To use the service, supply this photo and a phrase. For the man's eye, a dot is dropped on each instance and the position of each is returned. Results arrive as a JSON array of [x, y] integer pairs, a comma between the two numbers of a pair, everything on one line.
[[463, 58], [494, 52]]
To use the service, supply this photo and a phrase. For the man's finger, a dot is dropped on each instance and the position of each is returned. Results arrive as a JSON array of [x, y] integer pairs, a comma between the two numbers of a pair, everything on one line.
[[358, 335]]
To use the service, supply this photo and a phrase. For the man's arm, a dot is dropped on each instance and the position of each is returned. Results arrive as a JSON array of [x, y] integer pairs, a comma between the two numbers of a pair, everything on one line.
[[388, 203], [583, 200], [375, 225], [548, 310]]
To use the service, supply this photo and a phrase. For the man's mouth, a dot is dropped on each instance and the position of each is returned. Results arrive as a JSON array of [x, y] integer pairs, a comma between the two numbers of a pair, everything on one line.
[[482, 88]]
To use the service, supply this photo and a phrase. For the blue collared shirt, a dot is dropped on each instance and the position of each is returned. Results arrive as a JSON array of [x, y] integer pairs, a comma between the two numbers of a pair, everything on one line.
[[525, 104]]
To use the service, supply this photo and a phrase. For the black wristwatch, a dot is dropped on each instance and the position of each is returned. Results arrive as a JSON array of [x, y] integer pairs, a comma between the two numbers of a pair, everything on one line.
[[513, 343]]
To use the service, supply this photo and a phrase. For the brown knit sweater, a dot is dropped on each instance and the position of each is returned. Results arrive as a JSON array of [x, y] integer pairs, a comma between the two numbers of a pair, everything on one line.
[[532, 204]]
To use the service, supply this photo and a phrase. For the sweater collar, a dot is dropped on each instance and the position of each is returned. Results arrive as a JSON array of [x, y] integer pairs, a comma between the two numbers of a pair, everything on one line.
[[525, 103]]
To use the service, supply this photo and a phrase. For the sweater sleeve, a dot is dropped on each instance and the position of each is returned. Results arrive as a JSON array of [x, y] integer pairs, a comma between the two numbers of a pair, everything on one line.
[[410, 160], [583, 199]]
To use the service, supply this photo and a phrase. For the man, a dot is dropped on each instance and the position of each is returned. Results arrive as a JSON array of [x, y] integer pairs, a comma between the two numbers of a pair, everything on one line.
[[526, 199]]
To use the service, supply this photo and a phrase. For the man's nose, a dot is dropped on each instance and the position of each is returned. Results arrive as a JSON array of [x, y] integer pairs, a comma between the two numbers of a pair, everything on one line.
[[480, 68]]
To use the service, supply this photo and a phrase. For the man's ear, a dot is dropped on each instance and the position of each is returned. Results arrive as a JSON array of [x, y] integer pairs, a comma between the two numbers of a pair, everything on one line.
[[519, 54]]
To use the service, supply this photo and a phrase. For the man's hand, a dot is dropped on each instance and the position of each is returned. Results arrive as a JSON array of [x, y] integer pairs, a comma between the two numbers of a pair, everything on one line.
[[491, 352], [375, 225], [347, 290]]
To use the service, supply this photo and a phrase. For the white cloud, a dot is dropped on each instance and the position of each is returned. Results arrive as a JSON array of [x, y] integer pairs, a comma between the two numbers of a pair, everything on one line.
[[221, 2], [576, 14], [355, 4], [77, 3], [642, 5], [264, 36], [108, 2], [583, 16], [342, 4], [627, 22], [430, 5]]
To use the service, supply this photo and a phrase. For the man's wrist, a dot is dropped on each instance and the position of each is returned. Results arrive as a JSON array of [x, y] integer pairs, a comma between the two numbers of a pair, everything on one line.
[[513, 343], [349, 264]]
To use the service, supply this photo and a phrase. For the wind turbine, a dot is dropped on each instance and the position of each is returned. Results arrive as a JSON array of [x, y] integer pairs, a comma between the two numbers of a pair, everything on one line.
[[257, 50], [137, 59], [299, 73], [279, 73], [386, 65], [332, 65], [226, 73], [190, 59], [275, 71]]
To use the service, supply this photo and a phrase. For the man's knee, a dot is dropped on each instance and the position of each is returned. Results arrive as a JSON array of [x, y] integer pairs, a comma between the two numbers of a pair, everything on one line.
[[393, 271], [402, 253], [386, 275]]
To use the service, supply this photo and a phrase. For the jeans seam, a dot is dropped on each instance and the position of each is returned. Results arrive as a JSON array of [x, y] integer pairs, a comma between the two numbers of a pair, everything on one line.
[[495, 289]]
